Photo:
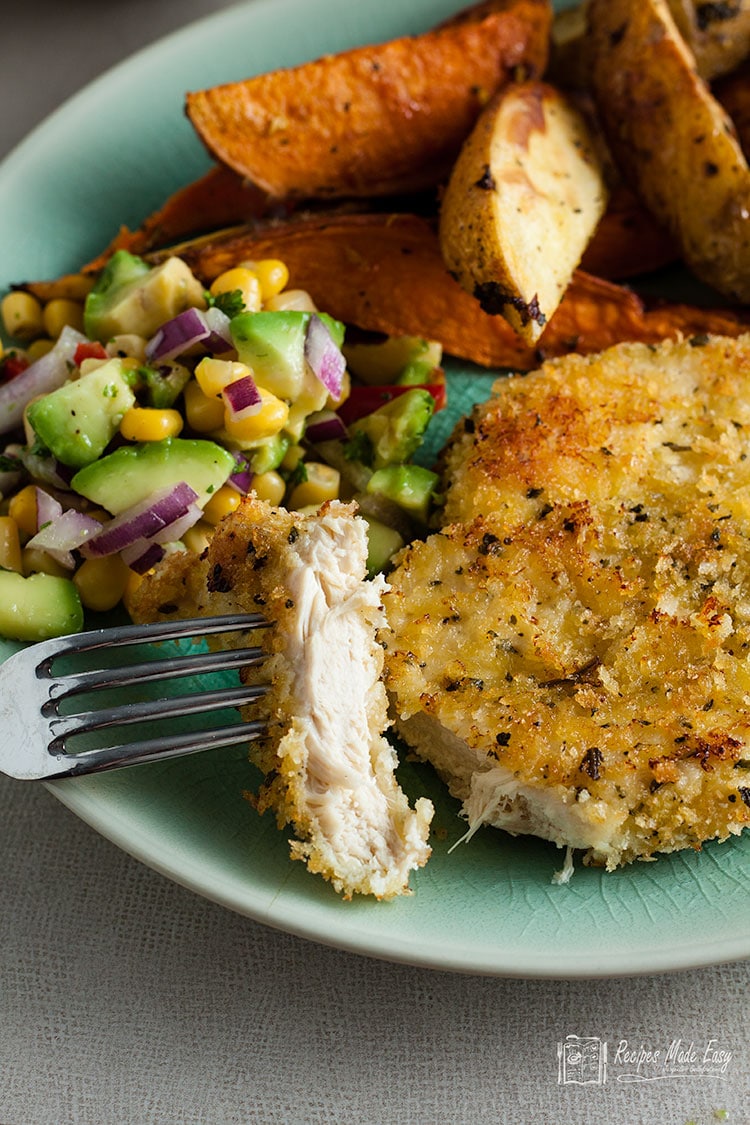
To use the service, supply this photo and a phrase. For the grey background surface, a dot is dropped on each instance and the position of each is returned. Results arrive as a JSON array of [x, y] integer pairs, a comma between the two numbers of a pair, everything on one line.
[[127, 1000]]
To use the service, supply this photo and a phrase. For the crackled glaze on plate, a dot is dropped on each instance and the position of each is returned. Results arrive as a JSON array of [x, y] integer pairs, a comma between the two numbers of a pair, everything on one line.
[[110, 156]]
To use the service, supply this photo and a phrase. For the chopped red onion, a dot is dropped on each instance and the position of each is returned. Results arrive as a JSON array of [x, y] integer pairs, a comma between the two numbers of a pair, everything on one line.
[[242, 397], [175, 530], [140, 557], [242, 477], [177, 335], [143, 521], [193, 326], [63, 533], [46, 374], [48, 470], [219, 337], [10, 478], [145, 551], [47, 509], [325, 425], [324, 356]]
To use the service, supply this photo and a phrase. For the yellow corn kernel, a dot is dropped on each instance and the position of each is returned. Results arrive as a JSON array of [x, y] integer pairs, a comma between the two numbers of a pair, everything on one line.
[[197, 537], [292, 457], [39, 347], [245, 280], [269, 486], [203, 413], [10, 545], [298, 300], [132, 582], [214, 375], [144, 423], [21, 315], [223, 501], [60, 313], [323, 483], [272, 274], [22, 509], [36, 561], [101, 582], [265, 423]]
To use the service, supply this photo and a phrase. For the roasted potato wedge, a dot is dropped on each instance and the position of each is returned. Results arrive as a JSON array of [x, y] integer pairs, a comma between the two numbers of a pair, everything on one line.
[[672, 139], [717, 34], [522, 202], [373, 120]]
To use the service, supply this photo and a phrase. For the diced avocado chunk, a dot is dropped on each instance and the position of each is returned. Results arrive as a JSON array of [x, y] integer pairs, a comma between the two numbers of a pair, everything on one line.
[[159, 386], [38, 607], [131, 296], [78, 421], [269, 454], [382, 544], [421, 367], [395, 359], [412, 487], [393, 432], [133, 472], [273, 345]]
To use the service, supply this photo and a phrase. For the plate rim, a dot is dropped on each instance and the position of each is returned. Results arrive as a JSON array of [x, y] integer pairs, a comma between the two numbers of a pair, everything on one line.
[[599, 964]]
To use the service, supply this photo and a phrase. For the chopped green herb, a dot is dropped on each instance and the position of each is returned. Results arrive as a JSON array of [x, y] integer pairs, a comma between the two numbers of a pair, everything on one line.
[[230, 303], [359, 448]]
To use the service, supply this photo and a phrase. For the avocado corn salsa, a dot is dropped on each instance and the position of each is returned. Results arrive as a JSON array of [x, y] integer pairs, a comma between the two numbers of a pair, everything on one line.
[[136, 419]]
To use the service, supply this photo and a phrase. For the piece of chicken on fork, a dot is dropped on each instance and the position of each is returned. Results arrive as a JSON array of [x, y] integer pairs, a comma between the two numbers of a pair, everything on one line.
[[329, 769]]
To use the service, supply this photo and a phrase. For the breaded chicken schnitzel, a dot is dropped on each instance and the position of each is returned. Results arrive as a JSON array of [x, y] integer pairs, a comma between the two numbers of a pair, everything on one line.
[[572, 650]]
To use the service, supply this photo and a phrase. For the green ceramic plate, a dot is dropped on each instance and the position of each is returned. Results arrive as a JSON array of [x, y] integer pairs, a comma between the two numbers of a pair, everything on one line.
[[110, 156]]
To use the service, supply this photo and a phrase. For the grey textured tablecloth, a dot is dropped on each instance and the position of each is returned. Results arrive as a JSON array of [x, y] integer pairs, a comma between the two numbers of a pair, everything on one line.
[[126, 1000]]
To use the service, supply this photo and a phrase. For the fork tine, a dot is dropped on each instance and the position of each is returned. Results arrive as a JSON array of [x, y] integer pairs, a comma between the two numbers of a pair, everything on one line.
[[194, 663], [153, 633], [157, 749], [175, 707]]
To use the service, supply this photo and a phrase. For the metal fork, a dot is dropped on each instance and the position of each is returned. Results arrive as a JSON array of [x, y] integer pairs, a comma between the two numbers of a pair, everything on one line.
[[34, 735]]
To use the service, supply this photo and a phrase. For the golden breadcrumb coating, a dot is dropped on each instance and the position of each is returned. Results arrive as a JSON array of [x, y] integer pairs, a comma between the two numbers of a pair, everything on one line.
[[329, 769], [571, 650]]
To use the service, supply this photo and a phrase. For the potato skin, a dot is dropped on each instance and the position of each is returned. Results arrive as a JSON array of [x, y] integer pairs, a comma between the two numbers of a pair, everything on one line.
[[672, 139], [522, 202], [717, 34]]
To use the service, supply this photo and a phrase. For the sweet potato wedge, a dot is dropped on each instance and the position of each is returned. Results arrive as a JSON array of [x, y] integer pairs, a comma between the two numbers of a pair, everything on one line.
[[628, 241], [215, 200], [374, 120], [522, 203], [385, 273]]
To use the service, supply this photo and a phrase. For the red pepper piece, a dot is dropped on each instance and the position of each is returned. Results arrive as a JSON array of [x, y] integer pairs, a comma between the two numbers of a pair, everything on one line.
[[92, 350], [11, 366]]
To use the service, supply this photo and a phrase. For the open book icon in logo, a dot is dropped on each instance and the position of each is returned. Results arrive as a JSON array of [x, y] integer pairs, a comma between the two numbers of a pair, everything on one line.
[[582, 1061]]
